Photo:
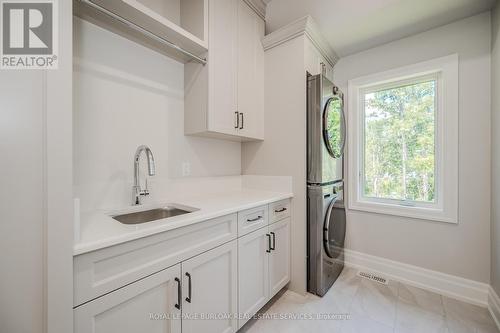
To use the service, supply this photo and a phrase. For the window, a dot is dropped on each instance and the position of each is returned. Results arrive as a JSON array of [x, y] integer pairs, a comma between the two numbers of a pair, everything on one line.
[[404, 141], [399, 141]]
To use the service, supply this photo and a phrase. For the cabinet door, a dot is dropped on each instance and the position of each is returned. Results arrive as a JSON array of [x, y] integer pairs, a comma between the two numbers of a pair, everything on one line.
[[212, 279], [223, 66], [250, 72], [253, 273], [147, 305], [279, 260]]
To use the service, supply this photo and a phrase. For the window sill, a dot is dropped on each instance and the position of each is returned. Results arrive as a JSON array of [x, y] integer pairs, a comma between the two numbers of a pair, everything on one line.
[[421, 213]]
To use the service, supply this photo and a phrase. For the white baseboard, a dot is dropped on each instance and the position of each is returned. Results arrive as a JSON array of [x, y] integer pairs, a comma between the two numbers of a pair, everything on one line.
[[494, 306], [448, 285]]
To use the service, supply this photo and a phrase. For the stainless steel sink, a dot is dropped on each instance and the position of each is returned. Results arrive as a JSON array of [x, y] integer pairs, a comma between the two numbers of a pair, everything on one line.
[[151, 215]]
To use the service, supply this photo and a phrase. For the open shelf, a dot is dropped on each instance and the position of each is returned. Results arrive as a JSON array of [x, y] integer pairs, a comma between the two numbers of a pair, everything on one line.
[[180, 22]]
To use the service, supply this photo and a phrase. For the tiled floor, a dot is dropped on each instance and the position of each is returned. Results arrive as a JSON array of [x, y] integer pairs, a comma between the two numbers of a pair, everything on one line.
[[373, 308]]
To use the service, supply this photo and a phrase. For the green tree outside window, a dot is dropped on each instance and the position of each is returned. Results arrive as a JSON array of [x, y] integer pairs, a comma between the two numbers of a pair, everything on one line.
[[399, 142]]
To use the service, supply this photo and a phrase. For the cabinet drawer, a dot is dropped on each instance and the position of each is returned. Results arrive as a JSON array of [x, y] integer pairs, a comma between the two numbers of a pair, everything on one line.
[[252, 219], [279, 210], [99, 272]]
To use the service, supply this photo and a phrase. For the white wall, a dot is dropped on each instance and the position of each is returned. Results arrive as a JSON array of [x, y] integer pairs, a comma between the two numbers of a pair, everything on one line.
[[36, 293], [21, 202], [464, 249], [495, 150], [126, 95]]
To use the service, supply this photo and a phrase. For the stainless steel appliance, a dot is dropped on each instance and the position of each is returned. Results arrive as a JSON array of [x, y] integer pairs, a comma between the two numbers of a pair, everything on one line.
[[326, 222]]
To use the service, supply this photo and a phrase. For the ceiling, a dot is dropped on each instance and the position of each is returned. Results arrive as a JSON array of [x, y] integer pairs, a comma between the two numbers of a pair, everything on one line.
[[351, 26]]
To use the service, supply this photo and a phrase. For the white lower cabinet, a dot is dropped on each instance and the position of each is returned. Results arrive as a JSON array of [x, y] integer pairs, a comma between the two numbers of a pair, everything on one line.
[[279, 260], [204, 293], [253, 273], [212, 278], [213, 288], [149, 305], [263, 267]]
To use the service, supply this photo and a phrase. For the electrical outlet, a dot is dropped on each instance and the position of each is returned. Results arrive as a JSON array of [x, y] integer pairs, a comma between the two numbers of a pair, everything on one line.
[[186, 169]]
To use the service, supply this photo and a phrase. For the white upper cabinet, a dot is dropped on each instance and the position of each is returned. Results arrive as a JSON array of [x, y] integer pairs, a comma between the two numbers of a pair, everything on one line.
[[250, 72], [225, 98], [223, 66], [153, 23]]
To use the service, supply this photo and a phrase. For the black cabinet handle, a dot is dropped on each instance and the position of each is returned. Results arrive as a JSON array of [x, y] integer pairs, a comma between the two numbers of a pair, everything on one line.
[[179, 293], [242, 120], [268, 243], [280, 210], [237, 119], [255, 219], [274, 241], [188, 299]]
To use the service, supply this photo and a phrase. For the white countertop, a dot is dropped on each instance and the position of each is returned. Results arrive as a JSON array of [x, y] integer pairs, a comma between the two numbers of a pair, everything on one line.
[[98, 230]]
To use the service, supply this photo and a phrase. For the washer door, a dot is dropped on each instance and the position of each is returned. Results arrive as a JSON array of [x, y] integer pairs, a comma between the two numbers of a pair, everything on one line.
[[334, 230], [334, 125]]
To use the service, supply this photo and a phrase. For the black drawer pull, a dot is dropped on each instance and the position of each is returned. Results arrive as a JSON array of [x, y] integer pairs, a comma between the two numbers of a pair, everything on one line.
[[188, 299], [255, 219], [280, 210], [268, 243], [274, 241], [179, 293]]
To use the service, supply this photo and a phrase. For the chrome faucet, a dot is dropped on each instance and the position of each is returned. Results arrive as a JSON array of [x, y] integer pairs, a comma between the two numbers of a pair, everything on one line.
[[138, 192]]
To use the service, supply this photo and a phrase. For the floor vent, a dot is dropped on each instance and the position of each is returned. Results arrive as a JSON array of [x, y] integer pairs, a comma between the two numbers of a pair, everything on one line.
[[372, 277]]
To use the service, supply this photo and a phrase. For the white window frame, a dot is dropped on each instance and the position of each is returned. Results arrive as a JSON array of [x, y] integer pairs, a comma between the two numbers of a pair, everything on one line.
[[445, 208]]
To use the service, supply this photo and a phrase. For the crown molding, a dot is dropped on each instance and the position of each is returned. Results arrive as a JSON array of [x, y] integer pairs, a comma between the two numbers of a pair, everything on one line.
[[303, 26], [258, 6]]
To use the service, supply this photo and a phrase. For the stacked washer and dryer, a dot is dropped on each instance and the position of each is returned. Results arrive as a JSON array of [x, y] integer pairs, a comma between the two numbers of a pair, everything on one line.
[[326, 218]]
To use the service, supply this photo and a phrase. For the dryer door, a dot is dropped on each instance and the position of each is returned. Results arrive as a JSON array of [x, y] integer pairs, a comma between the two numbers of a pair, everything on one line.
[[334, 230]]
